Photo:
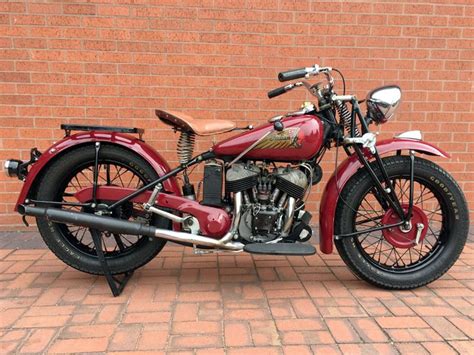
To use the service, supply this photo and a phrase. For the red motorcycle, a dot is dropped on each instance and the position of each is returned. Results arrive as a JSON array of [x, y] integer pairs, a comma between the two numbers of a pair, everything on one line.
[[106, 202]]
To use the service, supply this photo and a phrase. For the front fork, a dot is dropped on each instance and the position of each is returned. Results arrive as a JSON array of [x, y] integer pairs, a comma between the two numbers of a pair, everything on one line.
[[386, 196]]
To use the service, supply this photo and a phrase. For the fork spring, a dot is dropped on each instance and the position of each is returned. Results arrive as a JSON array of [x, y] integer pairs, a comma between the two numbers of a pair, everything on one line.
[[345, 116]]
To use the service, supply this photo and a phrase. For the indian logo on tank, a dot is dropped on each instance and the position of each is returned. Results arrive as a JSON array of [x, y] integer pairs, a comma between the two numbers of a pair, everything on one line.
[[288, 138]]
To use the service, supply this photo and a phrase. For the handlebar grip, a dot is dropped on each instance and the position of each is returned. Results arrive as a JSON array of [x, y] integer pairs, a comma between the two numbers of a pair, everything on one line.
[[276, 92], [292, 74]]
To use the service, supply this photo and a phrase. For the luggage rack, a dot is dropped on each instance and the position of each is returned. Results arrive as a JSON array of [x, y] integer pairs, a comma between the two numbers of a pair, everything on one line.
[[68, 128]]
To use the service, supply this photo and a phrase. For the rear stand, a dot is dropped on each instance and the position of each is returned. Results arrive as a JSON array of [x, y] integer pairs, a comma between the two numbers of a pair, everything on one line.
[[116, 284]]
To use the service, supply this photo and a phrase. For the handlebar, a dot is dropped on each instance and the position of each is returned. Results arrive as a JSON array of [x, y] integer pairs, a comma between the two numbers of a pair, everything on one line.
[[299, 73], [302, 72], [292, 74], [276, 92]]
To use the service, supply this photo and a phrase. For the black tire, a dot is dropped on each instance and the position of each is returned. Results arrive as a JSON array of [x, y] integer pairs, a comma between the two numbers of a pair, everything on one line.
[[73, 244], [433, 256]]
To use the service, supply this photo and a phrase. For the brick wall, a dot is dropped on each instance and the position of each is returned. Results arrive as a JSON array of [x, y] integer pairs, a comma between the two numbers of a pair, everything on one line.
[[91, 62]]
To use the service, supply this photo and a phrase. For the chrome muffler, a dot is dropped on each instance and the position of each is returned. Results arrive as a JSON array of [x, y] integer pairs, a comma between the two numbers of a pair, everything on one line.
[[114, 225]]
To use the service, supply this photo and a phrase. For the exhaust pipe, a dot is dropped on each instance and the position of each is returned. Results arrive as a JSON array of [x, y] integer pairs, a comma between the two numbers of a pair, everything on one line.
[[120, 226]]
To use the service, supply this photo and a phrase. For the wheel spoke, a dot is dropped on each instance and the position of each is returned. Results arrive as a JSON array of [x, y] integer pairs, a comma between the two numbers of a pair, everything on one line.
[[380, 251], [109, 173]]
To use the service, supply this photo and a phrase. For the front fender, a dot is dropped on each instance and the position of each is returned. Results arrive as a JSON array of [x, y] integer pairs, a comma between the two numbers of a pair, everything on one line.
[[346, 170], [71, 142]]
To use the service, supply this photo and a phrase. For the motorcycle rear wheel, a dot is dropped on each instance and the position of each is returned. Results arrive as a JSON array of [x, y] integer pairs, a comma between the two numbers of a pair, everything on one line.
[[72, 244], [391, 258]]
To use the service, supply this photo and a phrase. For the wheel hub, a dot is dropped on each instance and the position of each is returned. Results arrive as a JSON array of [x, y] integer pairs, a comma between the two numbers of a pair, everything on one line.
[[404, 236]]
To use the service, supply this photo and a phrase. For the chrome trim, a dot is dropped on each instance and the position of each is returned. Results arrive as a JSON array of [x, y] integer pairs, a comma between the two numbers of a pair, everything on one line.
[[415, 135], [166, 214], [249, 148], [197, 240], [419, 230], [289, 213], [9, 170], [383, 102], [152, 198], [343, 98], [368, 140], [304, 110], [6, 168]]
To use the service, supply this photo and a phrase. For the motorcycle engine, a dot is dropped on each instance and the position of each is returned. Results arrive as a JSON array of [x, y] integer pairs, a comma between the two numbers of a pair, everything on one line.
[[270, 200]]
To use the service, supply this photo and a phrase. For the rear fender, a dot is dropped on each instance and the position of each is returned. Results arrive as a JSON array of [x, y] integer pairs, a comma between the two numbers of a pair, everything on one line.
[[346, 170], [134, 144]]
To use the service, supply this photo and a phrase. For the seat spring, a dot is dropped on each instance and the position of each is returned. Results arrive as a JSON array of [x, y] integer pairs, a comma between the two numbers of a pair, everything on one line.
[[185, 146]]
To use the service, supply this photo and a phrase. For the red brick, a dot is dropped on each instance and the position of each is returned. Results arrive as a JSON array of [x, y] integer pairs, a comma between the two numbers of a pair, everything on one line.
[[38, 341], [198, 327], [48, 310], [155, 317], [286, 293], [199, 296], [246, 314], [185, 312], [125, 338], [307, 337], [88, 331], [401, 322], [368, 349], [153, 340], [299, 324], [304, 308], [189, 341], [413, 335], [325, 349], [80, 9], [464, 324], [411, 348], [110, 313], [79, 345], [297, 349], [15, 77], [207, 351], [462, 346], [237, 334], [9, 316], [444, 327], [8, 347], [41, 321], [368, 330], [342, 311], [254, 351], [342, 331], [439, 348]]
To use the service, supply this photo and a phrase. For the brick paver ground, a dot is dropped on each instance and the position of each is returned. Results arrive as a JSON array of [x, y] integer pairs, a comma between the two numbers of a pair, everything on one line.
[[236, 304]]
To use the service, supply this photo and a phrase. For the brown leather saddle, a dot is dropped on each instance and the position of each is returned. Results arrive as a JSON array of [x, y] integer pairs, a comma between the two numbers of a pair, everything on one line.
[[200, 127]]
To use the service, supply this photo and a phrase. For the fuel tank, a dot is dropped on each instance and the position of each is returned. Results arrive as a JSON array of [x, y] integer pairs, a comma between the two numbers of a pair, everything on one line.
[[301, 139]]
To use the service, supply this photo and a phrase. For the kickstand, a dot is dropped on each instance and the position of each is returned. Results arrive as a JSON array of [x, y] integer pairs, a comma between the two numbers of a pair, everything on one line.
[[116, 284]]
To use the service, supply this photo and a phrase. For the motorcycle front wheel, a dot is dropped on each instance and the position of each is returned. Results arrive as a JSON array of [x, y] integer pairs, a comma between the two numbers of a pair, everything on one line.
[[74, 245], [402, 257]]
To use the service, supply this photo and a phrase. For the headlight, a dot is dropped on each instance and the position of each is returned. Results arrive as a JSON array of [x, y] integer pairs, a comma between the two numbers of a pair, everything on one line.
[[383, 102]]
